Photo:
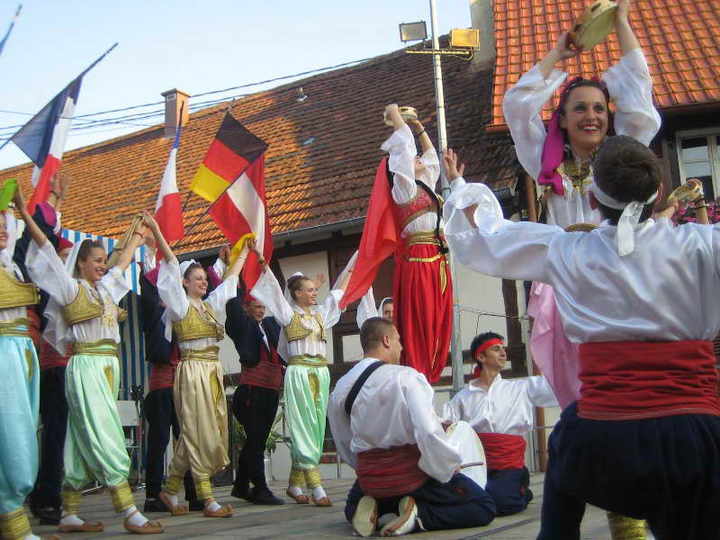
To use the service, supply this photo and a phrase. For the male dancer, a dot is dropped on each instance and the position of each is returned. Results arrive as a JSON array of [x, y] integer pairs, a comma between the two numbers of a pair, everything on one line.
[[256, 398], [406, 464], [501, 411]]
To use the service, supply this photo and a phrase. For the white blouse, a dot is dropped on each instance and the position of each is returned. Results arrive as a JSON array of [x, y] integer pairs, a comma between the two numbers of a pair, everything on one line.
[[401, 147], [663, 291], [267, 291], [177, 303], [630, 86], [506, 407], [48, 271], [394, 408]]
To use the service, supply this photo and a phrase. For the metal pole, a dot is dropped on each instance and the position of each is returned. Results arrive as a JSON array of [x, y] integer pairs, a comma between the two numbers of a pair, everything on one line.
[[456, 343]]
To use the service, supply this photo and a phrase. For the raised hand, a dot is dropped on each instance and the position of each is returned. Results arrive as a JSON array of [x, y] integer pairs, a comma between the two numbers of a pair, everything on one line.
[[451, 164], [565, 47], [623, 11]]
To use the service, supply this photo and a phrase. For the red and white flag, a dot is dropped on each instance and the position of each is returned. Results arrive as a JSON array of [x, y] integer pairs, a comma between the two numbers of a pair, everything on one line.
[[168, 209]]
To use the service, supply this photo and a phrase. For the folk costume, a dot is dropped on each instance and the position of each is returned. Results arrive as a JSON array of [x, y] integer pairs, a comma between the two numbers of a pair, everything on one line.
[[302, 342], [198, 394], [85, 316], [256, 398], [408, 453], [19, 393], [635, 297], [503, 415]]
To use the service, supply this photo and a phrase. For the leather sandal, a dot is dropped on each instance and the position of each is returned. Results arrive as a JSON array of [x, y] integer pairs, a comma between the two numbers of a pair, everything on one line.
[[300, 499], [150, 527], [224, 512], [87, 526], [177, 510], [325, 501]]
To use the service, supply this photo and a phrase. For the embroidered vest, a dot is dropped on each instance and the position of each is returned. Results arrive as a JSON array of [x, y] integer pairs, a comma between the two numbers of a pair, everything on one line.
[[422, 203], [83, 308], [296, 331], [14, 293], [196, 325]]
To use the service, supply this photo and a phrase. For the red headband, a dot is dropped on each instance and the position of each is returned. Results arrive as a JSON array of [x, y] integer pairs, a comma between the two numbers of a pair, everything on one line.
[[489, 343]]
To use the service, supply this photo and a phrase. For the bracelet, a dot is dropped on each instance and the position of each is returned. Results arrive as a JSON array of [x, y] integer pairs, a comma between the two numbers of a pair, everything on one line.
[[56, 194], [418, 134], [701, 206], [139, 234]]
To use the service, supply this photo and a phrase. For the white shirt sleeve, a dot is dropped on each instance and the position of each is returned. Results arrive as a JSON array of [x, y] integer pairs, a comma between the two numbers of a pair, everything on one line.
[[330, 308], [431, 174], [267, 291], [451, 410], [438, 457], [366, 308], [170, 290], [401, 147], [48, 272], [630, 85], [221, 295], [115, 284], [540, 393], [341, 430], [522, 106]]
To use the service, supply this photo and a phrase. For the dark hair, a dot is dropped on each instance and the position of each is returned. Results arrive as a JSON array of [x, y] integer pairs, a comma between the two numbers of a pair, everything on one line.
[[480, 339], [373, 331], [579, 82], [626, 170], [294, 284], [86, 246]]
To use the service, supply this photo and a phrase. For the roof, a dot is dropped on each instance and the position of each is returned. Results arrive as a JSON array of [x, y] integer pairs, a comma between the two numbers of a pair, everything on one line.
[[680, 39], [323, 151]]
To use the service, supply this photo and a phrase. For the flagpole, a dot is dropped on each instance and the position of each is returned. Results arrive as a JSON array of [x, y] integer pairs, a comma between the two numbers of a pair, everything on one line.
[[95, 63], [10, 28]]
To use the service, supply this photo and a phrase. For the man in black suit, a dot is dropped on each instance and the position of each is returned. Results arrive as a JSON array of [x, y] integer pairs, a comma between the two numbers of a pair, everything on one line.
[[256, 398]]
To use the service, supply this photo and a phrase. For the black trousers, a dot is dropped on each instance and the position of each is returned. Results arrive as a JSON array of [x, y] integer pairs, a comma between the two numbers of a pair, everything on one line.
[[161, 417], [255, 408], [510, 489], [458, 504], [54, 413]]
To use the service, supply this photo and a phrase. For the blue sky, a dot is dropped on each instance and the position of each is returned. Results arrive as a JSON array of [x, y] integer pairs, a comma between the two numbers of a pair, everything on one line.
[[194, 46]]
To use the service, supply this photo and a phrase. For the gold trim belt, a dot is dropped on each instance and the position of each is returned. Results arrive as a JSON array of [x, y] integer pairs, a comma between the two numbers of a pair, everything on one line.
[[425, 237], [308, 361], [16, 327], [104, 347], [208, 354]]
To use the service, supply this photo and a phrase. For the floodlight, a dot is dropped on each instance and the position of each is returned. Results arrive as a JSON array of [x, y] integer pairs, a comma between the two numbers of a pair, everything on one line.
[[414, 31]]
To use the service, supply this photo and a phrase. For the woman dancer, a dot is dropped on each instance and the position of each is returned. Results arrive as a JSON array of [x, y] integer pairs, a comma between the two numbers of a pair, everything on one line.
[[83, 311], [197, 390]]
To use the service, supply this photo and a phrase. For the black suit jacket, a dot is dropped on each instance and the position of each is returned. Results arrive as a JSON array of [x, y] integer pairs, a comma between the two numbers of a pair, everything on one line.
[[246, 334]]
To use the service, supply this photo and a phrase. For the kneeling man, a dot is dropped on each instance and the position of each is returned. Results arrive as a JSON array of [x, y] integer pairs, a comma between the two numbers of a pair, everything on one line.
[[382, 419]]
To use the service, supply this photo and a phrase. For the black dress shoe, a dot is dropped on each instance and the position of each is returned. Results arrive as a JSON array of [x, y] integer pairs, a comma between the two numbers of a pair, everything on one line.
[[154, 505], [47, 514], [196, 505], [264, 496], [241, 492]]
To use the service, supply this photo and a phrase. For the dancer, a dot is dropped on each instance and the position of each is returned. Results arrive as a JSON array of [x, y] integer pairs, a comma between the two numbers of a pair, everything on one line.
[[501, 411], [366, 308], [256, 398], [635, 294], [198, 393], [83, 311], [406, 464], [307, 379]]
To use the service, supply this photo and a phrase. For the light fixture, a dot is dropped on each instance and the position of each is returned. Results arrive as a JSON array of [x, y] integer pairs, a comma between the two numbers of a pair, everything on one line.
[[301, 96], [414, 31], [465, 37]]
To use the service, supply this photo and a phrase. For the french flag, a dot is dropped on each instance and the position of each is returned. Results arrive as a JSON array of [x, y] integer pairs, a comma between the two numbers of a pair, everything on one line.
[[168, 210], [43, 140]]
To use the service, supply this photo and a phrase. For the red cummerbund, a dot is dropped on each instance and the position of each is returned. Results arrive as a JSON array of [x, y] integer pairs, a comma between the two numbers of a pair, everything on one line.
[[502, 451], [390, 472], [267, 373], [162, 375], [50, 358], [628, 380]]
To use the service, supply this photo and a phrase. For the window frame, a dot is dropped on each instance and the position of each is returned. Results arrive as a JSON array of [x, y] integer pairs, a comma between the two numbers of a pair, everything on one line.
[[711, 134]]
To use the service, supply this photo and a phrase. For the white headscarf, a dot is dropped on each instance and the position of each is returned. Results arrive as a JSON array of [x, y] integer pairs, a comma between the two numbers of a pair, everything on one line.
[[629, 218]]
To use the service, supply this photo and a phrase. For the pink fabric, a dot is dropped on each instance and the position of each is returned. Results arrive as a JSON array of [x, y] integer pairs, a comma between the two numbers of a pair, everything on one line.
[[555, 356], [552, 156]]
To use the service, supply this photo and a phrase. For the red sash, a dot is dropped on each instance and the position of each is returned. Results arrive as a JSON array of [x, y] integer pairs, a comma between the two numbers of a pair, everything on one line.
[[502, 451], [162, 375], [628, 380], [266, 374], [390, 472], [50, 358]]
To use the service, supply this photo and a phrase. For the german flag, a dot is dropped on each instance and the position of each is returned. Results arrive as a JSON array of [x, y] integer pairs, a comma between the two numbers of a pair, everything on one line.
[[232, 179]]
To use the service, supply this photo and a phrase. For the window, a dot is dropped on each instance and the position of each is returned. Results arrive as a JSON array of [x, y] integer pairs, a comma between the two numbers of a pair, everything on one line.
[[699, 157]]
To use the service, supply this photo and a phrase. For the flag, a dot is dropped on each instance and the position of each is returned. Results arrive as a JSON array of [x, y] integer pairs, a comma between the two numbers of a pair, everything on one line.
[[232, 179], [43, 139], [12, 24], [168, 211], [380, 238]]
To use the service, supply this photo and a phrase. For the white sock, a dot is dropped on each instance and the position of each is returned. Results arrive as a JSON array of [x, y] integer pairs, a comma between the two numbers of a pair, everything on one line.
[[173, 498], [295, 491], [71, 519], [318, 493], [134, 518], [31, 536], [212, 505]]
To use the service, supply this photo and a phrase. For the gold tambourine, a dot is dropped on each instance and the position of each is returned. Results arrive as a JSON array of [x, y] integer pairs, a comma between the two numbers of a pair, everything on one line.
[[407, 113], [595, 25], [686, 193], [580, 227]]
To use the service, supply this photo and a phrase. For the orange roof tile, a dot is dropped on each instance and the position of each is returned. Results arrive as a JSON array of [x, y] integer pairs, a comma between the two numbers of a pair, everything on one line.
[[680, 38], [322, 156]]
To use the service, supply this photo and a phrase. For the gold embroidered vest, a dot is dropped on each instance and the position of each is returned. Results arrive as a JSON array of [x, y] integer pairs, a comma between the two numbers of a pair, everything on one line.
[[196, 325], [14, 293], [83, 308], [296, 331]]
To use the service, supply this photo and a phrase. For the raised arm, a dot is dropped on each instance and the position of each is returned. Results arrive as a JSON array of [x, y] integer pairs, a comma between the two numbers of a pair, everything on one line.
[[36, 233], [625, 34], [160, 241], [401, 147]]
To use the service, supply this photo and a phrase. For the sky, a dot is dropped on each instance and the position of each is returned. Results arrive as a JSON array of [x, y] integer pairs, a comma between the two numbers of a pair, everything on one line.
[[196, 46]]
